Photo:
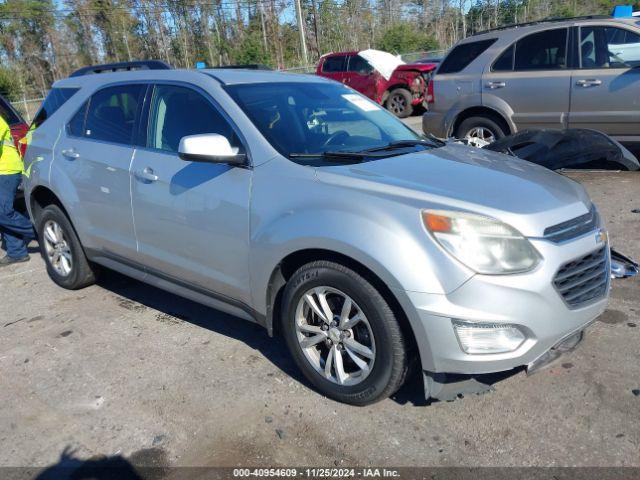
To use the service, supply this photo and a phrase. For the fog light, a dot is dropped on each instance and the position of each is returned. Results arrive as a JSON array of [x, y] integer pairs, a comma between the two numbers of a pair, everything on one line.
[[478, 338]]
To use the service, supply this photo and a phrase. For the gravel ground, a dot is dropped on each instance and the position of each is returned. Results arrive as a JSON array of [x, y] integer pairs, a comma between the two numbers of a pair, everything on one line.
[[123, 369]]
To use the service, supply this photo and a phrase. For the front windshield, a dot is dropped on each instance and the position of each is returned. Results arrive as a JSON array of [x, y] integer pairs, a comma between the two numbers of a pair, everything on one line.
[[313, 118]]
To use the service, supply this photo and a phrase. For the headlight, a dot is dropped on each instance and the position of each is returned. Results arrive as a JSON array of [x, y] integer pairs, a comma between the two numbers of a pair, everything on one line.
[[483, 244]]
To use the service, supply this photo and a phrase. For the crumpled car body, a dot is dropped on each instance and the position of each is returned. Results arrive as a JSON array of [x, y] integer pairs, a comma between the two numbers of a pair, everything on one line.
[[571, 148], [377, 75]]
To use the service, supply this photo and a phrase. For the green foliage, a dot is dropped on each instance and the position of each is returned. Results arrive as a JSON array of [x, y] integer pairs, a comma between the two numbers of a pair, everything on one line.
[[9, 85], [251, 50], [404, 37]]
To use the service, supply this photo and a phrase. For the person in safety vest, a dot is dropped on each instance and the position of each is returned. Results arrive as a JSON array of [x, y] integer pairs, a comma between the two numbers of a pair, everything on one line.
[[16, 228]]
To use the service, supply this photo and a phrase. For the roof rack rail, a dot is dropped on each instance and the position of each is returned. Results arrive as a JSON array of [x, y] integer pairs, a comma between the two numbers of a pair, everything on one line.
[[544, 20], [245, 66], [122, 66]]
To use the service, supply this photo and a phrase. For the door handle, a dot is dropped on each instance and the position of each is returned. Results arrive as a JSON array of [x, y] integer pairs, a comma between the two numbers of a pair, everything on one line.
[[589, 82], [70, 153], [494, 85], [146, 175]]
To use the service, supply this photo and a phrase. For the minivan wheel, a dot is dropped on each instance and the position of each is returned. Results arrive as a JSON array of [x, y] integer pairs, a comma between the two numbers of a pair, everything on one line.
[[480, 131], [342, 334], [399, 103], [66, 262]]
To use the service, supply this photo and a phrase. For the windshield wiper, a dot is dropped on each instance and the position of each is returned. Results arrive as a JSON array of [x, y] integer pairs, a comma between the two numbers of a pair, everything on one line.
[[341, 156], [433, 143]]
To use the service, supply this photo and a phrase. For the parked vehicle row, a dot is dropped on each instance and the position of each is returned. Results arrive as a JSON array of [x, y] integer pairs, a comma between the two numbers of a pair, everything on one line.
[[573, 73], [297, 203]]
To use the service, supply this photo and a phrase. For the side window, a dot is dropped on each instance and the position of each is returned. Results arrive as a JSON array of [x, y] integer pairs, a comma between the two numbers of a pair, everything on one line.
[[504, 63], [111, 115], [542, 51], [179, 111], [462, 55], [75, 126], [609, 47], [7, 113], [337, 63], [56, 98], [359, 65]]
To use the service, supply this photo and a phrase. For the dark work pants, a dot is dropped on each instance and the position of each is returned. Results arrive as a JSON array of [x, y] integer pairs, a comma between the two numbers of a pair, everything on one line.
[[16, 229]]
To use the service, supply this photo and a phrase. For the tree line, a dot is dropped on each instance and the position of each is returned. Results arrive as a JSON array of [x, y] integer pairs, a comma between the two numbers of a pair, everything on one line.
[[44, 40]]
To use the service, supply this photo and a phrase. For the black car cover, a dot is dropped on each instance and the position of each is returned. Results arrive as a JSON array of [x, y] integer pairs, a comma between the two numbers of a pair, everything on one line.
[[572, 148]]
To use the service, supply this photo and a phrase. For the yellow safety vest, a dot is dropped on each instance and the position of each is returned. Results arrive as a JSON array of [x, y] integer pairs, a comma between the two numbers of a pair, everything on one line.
[[10, 161]]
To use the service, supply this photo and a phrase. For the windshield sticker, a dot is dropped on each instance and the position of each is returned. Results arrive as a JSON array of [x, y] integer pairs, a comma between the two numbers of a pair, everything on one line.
[[361, 103]]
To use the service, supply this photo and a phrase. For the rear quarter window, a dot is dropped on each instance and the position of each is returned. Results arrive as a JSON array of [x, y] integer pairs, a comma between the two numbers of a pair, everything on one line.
[[462, 55], [56, 98]]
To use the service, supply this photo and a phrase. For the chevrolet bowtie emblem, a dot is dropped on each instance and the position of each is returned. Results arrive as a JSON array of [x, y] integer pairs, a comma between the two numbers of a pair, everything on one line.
[[601, 236]]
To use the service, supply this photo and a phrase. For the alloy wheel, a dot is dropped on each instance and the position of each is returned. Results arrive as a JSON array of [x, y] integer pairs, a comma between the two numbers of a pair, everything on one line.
[[335, 335], [480, 137], [57, 248], [397, 104]]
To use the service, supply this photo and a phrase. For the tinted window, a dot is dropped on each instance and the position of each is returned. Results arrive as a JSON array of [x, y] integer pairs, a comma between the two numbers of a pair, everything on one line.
[[75, 126], [7, 112], [112, 113], [337, 63], [359, 65], [56, 98], [542, 51], [463, 55], [609, 47], [504, 63], [177, 112]]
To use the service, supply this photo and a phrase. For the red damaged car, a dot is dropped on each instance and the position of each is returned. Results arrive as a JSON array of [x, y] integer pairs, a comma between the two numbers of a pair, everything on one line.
[[381, 76]]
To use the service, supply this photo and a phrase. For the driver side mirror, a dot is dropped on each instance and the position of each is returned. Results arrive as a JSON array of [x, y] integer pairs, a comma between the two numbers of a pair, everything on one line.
[[210, 148]]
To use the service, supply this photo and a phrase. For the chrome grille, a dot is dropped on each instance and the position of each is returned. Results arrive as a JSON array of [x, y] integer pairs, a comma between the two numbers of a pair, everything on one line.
[[583, 280], [572, 228]]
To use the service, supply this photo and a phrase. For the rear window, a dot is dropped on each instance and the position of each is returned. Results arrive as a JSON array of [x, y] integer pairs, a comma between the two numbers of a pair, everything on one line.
[[337, 63], [56, 98], [463, 55]]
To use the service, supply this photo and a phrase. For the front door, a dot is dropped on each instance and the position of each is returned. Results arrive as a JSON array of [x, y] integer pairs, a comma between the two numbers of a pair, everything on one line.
[[606, 88], [95, 151], [361, 76], [191, 219], [532, 79]]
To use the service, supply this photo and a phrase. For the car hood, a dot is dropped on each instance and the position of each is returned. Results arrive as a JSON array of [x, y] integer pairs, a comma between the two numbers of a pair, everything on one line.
[[527, 196]]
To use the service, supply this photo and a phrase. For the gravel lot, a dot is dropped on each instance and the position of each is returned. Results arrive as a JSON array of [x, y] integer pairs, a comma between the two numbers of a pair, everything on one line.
[[124, 369]]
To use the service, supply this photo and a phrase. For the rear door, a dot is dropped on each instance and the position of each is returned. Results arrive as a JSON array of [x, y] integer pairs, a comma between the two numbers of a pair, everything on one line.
[[335, 68], [191, 219], [605, 89], [94, 153], [532, 77], [361, 76]]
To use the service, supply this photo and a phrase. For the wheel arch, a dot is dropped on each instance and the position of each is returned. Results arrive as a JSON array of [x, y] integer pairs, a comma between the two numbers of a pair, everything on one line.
[[294, 260], [39, 198], [482, 111]]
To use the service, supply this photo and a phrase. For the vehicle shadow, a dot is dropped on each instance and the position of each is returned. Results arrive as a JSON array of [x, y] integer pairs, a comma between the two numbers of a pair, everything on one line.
[[147, 464], [255, 336], [273, 349]]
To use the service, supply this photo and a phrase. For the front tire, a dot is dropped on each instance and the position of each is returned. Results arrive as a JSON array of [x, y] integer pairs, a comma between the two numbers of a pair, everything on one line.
[[342, 334], [480, 131], [67, 264], [399, 102]]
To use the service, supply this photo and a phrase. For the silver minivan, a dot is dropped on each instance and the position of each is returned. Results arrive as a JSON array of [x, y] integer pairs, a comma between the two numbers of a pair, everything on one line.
[[573, 73], [296, 203]]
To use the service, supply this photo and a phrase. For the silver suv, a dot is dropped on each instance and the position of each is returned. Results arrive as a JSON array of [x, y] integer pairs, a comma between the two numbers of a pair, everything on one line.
[[296, 203], [576, 73]]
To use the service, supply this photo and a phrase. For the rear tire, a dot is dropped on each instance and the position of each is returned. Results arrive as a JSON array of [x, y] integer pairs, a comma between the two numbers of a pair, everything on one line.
[[372, 352], [480, 129], [67, 264], [399, 102]]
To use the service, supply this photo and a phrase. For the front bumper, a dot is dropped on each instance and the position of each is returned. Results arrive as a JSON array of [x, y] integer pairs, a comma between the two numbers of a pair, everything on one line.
[[528, 301]]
